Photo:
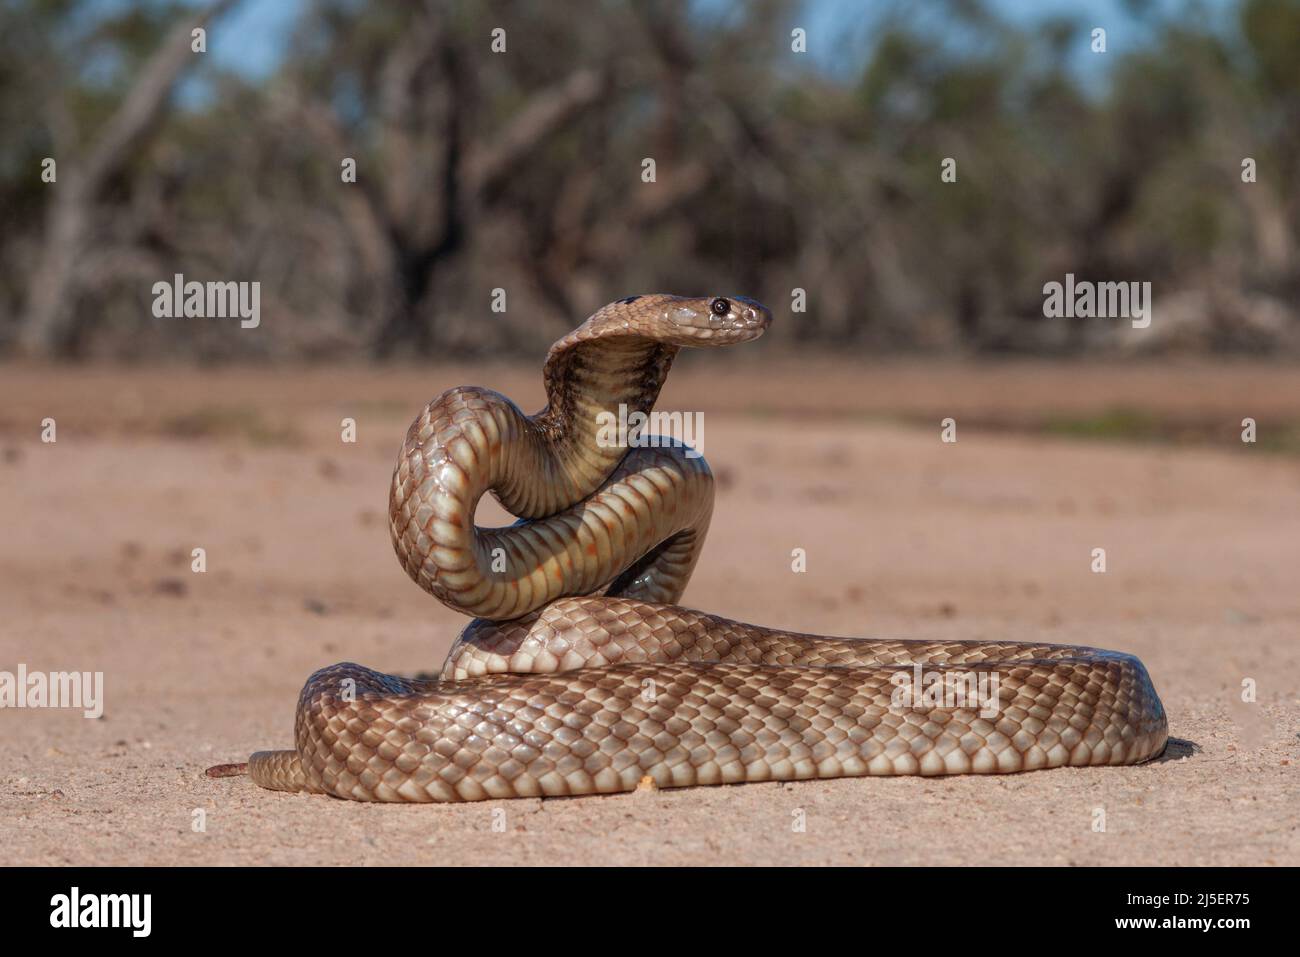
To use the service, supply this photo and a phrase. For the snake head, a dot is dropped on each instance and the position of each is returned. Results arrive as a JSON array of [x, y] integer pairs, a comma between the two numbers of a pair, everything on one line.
[[715, 320], [674, 321]]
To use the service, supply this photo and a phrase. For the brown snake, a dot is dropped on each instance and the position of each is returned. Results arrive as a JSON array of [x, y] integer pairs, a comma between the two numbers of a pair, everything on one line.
[[581, 674]]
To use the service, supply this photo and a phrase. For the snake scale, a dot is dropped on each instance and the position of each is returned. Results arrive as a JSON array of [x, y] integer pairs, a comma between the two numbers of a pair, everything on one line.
[[581, 674]]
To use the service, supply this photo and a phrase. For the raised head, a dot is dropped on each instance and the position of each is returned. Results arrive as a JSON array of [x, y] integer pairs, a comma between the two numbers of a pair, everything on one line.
[[681, 320]]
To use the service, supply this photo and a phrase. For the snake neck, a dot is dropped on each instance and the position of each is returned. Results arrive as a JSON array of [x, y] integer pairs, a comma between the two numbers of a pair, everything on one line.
[[594, 388], [640, 535], [596, 514]]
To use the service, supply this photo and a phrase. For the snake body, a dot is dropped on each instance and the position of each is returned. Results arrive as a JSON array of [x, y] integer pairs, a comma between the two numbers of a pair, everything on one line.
[[581, 674]]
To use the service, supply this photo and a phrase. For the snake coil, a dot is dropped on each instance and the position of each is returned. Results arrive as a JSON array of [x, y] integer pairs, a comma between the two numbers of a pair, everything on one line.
[[581, 674]]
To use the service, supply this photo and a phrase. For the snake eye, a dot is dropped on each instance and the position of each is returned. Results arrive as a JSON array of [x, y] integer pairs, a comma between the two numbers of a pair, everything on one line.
[[720, 307]]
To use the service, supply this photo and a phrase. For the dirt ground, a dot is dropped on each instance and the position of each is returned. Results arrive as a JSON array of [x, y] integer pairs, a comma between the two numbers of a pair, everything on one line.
[[991, 536]]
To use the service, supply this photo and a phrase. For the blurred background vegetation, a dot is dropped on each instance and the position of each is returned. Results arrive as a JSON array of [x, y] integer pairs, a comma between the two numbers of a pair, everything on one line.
[[522, 170]]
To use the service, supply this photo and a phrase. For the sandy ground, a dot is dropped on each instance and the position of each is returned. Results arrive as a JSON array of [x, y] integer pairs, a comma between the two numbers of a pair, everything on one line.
[[905, 535]]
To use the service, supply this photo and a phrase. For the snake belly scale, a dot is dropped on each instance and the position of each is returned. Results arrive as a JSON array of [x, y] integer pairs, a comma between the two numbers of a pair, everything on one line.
[[580, 673]]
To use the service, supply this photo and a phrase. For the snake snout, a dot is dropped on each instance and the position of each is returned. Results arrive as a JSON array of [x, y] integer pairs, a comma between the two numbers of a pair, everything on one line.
[[753, 314]]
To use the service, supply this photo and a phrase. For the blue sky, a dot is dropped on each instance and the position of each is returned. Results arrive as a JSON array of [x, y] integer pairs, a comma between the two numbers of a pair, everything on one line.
[[262, 28], [250, 39]]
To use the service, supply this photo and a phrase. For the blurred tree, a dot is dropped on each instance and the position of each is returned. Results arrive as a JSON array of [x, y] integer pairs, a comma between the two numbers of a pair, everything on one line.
[[521, 169], [89, 160]]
